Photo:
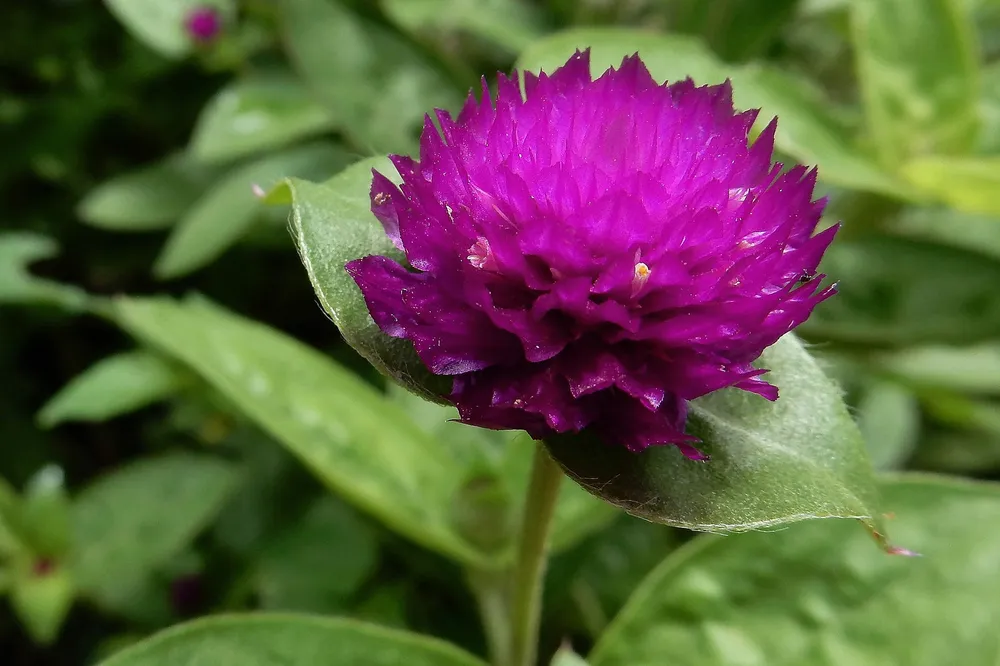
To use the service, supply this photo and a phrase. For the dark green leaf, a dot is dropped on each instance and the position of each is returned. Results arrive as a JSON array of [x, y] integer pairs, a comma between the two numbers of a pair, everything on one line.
[[918, 69], [139, 516], [318, 561], [282, 640], [226, 212], [18, 250], [772, 463], [111, 387], [818, 593], [152, 197], [333, 225], [350, 436], [377, 85], [735, 29], [256, 114], [894, 291]]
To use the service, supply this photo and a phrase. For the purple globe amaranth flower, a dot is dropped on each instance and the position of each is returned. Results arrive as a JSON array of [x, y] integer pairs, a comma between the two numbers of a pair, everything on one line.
[[594, 254], [203, 24]]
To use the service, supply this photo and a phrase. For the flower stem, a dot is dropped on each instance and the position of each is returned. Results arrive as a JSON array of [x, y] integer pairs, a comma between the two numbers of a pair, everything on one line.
[[532, 556], [490, 589]]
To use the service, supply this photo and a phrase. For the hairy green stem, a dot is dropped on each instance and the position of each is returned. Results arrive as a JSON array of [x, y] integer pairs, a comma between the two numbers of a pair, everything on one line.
[[532, 557]]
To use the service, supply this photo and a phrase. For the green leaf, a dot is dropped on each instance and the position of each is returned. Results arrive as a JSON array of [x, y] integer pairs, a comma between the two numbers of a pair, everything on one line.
[[806, 128], [513, 24], [889, 418], [350, 436], [41, 601], [772, 463], [917, 62], [989, 107], [377, 85], [43, 515], [226, 212], [809, 132], [978, 233], [735, 29], [969, 184], [151, 197], [609, 566], [136, 518], [281, 640], [566, 657], [333, 224], [578, 513], [113, 386], [973, 369], [493, 458], [18, 250], [256, 114], [159, 24], [318, 562], [894, 291], [818, 593]]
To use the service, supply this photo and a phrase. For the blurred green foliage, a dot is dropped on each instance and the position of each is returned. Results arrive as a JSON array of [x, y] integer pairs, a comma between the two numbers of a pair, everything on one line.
[[208, 444]]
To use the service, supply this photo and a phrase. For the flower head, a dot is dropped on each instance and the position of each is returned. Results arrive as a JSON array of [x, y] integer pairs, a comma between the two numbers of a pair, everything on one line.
[[595, 253], [203, 24]]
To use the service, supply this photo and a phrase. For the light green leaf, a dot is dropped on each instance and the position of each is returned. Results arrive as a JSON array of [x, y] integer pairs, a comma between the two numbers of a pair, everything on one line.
[[159, 24], [377, 85], [513, 24], [806, 128], [41, 601], [226, 212], [917, 62], [818, 593], [970, 184], [18, 250], [772, 463], [139, 516], [152, 197], [113, 386], [895, 291], [810, 133], [282, 640], [352, 438], [256, 114], [333, 224], [977, 233], [889, 418], [989, 106], [318, 562], [566, 657], [973, 369]]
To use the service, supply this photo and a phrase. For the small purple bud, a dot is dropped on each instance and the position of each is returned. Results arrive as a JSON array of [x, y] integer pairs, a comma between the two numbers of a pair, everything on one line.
[[203, 24]]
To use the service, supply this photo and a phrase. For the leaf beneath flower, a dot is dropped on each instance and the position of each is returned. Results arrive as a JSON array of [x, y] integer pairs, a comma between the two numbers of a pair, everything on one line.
[[771, 463]]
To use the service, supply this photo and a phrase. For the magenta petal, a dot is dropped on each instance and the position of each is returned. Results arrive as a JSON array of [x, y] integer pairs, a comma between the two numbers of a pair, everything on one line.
[[593, 253]]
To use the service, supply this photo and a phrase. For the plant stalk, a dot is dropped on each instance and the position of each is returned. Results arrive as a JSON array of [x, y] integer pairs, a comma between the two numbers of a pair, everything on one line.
[[532, 557]]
